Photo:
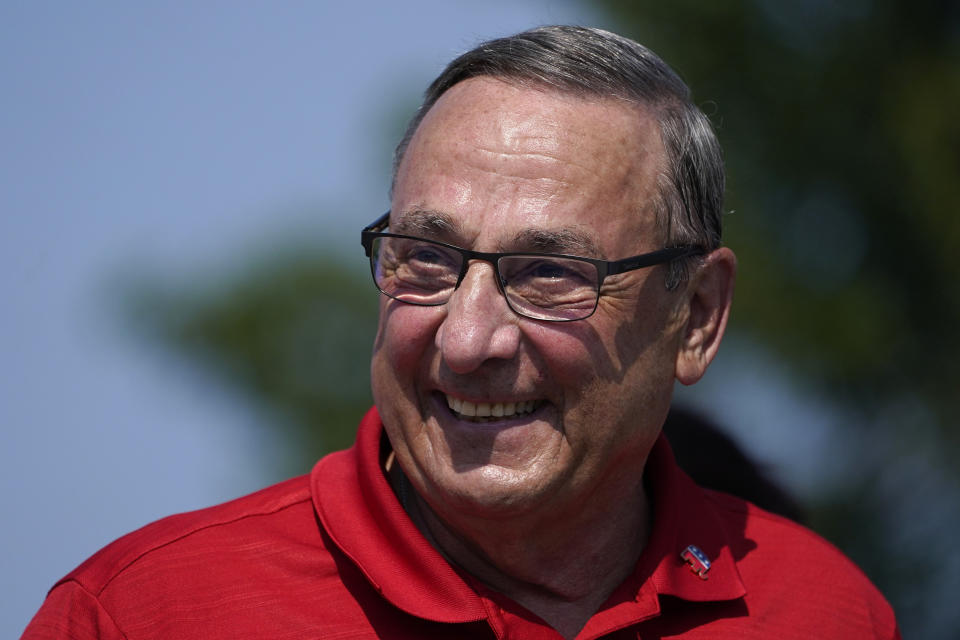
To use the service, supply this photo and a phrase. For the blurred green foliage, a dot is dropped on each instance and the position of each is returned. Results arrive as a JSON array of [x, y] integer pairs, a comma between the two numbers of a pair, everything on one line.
[[839, 122]]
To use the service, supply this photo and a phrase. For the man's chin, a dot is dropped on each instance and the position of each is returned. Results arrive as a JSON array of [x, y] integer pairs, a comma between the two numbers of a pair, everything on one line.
[[487, 489]]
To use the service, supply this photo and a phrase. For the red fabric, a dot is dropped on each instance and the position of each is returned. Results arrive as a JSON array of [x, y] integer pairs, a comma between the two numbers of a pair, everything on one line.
[[334, 555]]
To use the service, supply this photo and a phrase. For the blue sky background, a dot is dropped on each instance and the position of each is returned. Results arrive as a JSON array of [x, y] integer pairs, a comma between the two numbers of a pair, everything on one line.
[[176, 138]]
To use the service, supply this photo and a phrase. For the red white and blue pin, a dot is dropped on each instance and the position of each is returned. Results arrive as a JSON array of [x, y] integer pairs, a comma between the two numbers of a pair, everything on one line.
[[697, 559]]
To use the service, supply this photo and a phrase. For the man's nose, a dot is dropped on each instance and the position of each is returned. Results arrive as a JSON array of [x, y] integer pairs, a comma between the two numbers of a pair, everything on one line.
[[479, 324]]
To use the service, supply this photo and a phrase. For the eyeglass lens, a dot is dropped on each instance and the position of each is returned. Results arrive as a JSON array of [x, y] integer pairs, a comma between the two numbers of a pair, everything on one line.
[[543, 287]]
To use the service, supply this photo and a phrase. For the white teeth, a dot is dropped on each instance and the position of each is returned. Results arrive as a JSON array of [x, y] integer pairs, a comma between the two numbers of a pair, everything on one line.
[[490, 409]]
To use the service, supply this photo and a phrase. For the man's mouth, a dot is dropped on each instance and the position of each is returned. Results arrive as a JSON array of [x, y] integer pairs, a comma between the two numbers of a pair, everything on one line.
[[488, 411]]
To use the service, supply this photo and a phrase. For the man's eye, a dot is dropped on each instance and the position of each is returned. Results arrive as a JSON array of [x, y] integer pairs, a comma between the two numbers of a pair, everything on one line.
[[547, 269], [543, 270], [427, 255]]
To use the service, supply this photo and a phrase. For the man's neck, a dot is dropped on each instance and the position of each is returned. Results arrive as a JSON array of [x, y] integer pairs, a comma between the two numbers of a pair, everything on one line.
[[561, 567]]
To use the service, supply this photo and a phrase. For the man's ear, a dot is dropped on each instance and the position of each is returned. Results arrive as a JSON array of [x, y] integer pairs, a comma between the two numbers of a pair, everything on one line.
[[709, 294]]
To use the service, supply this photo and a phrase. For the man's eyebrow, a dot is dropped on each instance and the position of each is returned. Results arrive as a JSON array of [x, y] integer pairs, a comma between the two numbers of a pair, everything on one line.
[[430, 223], [570, 241], [425, 222]]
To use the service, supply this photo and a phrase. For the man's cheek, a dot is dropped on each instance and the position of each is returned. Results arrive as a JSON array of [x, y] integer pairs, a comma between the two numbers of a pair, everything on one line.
[[404, 337]]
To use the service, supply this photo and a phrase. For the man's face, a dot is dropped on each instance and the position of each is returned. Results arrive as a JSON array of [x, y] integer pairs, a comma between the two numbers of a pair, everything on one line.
[[497, 167]]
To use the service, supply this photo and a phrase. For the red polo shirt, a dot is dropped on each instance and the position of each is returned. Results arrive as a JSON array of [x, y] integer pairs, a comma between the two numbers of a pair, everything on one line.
[[334, 555]]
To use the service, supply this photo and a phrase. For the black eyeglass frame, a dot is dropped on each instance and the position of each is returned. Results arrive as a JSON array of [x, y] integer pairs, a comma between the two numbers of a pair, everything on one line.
[[604, 267]]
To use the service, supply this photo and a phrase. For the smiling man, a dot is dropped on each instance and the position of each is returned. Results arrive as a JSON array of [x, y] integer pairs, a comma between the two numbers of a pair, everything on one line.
[[550, 265], [582, 381]]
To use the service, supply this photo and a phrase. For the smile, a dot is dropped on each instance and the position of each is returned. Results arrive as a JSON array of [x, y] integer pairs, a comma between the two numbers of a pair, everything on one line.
[[479, 410]]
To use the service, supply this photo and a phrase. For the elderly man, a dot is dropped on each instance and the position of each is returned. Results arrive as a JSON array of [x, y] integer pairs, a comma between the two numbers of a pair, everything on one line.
[[549, 266]]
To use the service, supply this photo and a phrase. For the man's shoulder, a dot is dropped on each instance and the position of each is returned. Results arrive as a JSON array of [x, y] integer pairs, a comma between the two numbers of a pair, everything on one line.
[[259, 566], [788, 567], [755, 531], [195, 533]]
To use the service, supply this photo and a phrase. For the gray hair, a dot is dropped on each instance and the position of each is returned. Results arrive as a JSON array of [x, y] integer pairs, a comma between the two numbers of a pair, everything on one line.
[[594, 62]]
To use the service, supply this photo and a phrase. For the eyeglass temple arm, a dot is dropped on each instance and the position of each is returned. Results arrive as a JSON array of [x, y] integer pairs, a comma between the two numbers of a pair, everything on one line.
[[650, 259]]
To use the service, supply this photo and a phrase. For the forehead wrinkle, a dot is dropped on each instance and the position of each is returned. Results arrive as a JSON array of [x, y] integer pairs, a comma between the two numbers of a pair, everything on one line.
[[527, 166], [529, 176], [535, 160], [520, 155]]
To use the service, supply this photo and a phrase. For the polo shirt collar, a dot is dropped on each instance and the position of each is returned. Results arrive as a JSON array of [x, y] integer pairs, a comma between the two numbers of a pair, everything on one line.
[[363, 517]]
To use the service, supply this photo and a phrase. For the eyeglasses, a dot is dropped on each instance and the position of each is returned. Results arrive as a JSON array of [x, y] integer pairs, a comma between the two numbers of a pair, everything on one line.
[[542, 286]]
